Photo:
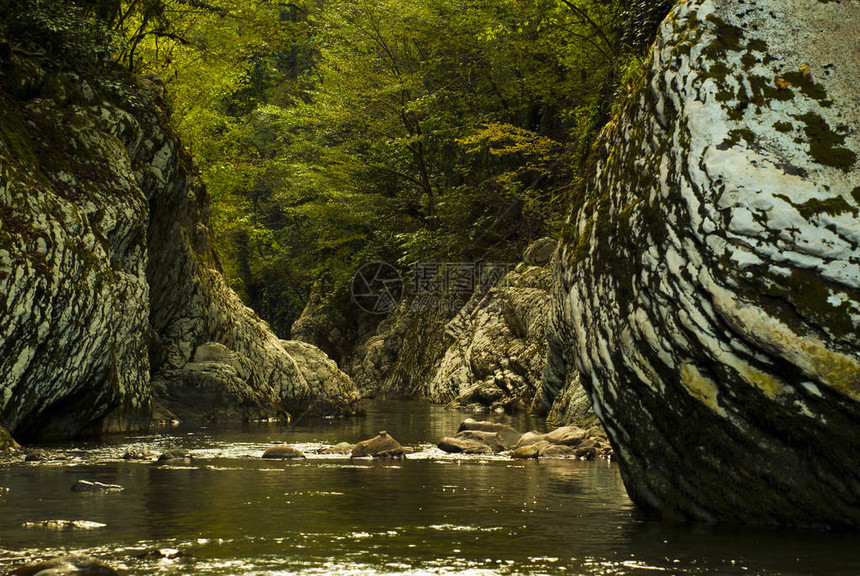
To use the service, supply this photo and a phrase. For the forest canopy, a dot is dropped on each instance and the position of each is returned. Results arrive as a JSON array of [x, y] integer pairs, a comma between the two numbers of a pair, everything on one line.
[[331, 132]]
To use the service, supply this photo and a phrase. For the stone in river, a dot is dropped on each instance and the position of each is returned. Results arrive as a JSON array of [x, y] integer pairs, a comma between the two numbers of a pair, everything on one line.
[[175, 455], [87, 486], [283, 452], [458, 445], [375, 446], [507, 435], [66, 566]]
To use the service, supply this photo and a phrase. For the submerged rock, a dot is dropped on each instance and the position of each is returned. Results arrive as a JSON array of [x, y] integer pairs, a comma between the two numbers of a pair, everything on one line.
[[87, 486], [163, 554], [65, 525], [173, 456], [708, 289], [137, 453], [380, 445], [283, 453], [66, 566], [41, 455], [339, 448]]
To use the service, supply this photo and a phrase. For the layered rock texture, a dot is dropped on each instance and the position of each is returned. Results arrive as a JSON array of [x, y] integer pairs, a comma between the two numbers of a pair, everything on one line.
[[108, 276], [480, 349], [709, 286]]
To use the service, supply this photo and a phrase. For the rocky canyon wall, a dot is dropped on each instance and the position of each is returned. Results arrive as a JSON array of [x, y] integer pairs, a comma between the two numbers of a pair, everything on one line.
[[112, 300]]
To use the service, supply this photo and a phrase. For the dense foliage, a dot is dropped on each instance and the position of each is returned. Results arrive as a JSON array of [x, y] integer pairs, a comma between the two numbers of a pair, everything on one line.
[[336, 132]]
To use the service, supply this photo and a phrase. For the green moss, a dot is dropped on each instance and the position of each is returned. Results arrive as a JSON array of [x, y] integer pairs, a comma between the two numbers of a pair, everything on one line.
[[805, 84], [763, 91], [580, 252], [856, 194], [725, 96], [718, 71], [832, 206], [736, 115], [825, 144], [758, 45], [784, 127], [736, 136], [749, 60], [805, 296], [12, 131], [728, 38]]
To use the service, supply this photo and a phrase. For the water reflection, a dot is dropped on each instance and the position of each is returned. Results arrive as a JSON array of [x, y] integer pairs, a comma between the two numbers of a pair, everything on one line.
[[230, 512]]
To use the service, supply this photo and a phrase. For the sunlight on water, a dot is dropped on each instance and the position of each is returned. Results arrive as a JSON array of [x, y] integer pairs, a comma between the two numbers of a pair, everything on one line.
[[228, 511]]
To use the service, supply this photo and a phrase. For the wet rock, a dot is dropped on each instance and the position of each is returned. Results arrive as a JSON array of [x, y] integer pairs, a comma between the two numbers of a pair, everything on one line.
[[529, 450], [40, 455], [136, 453], [339, 448], [586, 453], [283, 453], [7, 443], [567, 436], [162, 554], [65, 525], [464, 446], [379, 444], [66, 566], [400, 452], [174, 456], [555, 450], [708, 288], [506, 434], [530, 437], [87, 486], [489, 439], [543, 449]]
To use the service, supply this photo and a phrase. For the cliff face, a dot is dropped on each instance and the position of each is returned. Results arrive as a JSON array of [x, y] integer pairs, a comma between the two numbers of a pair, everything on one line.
[[708, 287], [107, 274], [484, 349]]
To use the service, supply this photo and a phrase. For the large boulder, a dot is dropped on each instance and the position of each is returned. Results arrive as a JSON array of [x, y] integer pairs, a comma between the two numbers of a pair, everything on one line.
[[708, 292], [109, 283]]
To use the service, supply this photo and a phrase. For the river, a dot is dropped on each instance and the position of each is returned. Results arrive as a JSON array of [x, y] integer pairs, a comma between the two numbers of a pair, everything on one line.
[[231, 512]]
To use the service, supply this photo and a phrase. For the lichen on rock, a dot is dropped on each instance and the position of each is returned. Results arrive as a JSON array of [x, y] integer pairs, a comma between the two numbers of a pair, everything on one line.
[[708, 293], [107, 271]]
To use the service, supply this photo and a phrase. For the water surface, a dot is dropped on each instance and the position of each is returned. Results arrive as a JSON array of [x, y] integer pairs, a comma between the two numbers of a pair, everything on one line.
[[230, 512]]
